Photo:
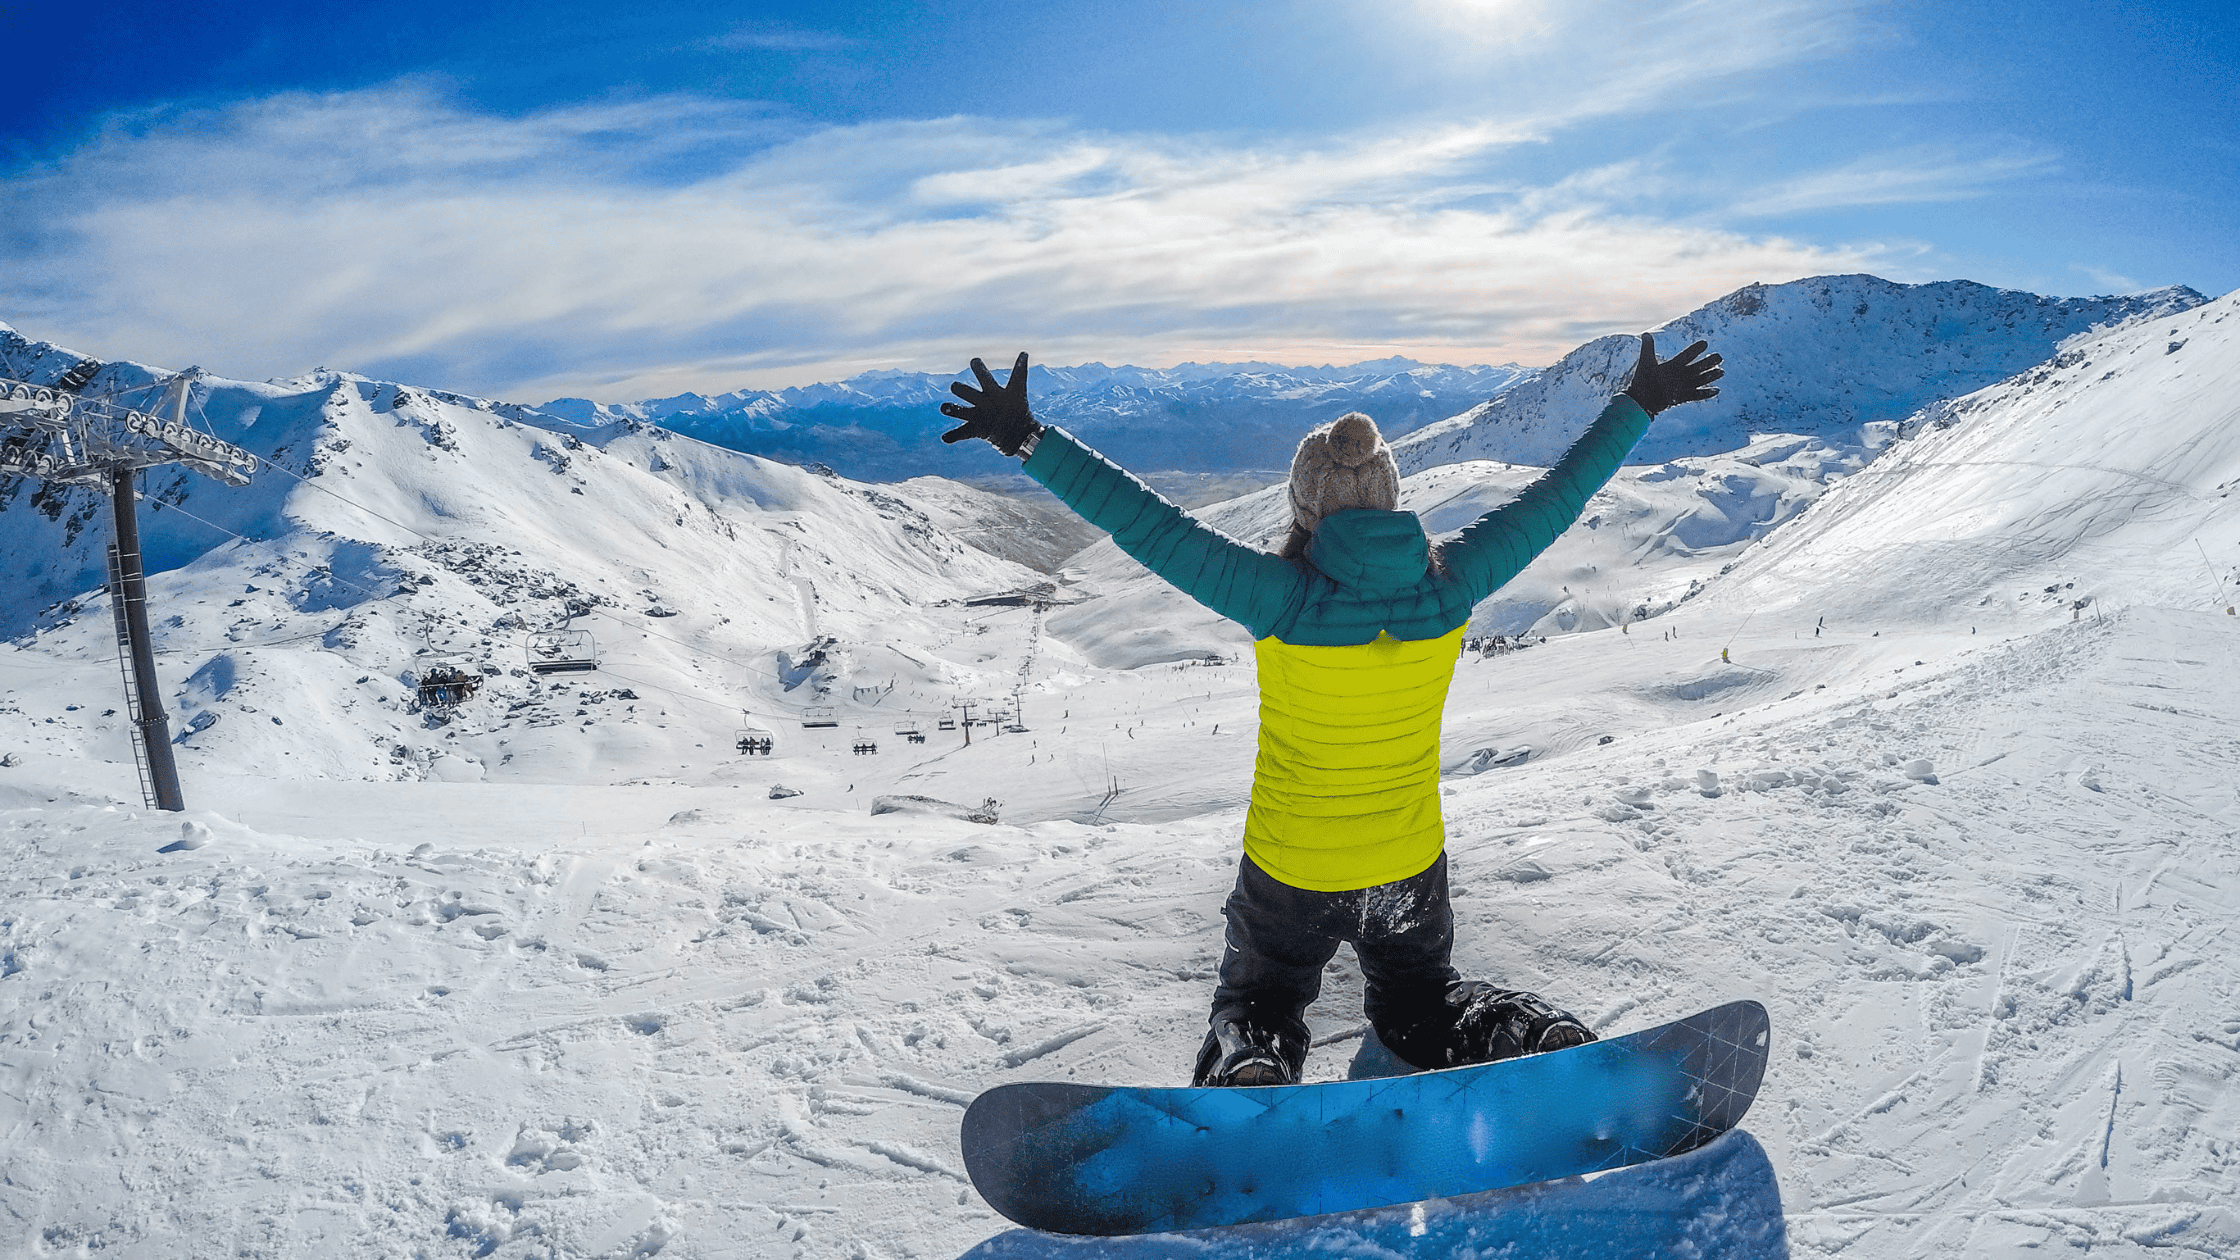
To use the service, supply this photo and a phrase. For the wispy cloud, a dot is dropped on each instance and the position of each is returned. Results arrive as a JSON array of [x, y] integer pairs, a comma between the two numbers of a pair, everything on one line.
[[394, 231], [773, 37], [1905, 175], [2109, 281], [1564, 63]]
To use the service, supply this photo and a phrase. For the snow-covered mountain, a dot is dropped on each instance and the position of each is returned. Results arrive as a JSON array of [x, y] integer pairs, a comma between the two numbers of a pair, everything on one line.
[[393, 528], [1207, 417], [1817, 357], [1971, 844], [2106, 477]]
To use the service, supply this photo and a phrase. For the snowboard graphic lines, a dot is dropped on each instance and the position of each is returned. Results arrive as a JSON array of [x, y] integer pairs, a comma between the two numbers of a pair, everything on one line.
[[1114, 1160]]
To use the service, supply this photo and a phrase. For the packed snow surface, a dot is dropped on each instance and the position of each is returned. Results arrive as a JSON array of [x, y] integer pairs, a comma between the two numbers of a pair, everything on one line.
[[1940, 769]]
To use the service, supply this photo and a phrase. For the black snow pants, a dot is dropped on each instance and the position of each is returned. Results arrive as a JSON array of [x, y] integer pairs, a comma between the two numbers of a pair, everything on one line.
[[1280, 937]]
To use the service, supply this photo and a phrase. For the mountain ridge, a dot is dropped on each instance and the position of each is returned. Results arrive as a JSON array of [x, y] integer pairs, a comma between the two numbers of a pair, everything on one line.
[[1817, 357]]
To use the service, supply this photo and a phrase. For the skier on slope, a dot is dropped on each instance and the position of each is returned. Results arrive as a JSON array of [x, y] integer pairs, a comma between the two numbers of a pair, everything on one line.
[[1357, 625]]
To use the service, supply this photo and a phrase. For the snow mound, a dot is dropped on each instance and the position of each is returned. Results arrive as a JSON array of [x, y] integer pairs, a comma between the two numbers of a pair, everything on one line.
[[985, 812]]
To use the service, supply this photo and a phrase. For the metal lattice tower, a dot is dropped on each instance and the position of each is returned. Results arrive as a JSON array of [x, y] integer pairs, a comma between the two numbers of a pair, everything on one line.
[[49, 432]]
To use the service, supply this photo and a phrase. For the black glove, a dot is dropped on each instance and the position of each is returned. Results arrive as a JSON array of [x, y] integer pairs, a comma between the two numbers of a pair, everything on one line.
[[1000, 415], [1679, 379]]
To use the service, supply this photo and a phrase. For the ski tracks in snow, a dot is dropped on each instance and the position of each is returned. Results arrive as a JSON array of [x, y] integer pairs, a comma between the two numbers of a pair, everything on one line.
[[2017, 1030], [1999, 981], [748, 1036]]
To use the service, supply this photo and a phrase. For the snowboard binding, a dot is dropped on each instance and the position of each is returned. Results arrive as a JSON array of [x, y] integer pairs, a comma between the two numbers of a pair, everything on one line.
[[1238, 1052], [1492, 1023]]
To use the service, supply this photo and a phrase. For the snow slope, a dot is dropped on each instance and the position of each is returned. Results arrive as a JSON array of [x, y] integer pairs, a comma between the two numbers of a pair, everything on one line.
[[2101, 478], [1820, 357], [1984, 882]]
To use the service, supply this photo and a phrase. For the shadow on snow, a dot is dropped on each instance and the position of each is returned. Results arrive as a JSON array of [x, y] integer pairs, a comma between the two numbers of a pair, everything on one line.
[[1717, 1203]]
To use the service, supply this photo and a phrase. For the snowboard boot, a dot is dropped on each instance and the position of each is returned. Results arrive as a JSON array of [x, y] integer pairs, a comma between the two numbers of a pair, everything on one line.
[[1493, 1023], [1239, 1052]]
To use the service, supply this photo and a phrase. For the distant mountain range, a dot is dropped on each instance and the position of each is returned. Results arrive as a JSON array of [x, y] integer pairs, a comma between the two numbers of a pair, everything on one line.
[[1198, 417], [1817, 357]]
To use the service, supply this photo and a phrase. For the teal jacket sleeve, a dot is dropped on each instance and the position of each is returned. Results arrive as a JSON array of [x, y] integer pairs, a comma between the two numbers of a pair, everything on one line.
[[1244, 584], [1498, 545]]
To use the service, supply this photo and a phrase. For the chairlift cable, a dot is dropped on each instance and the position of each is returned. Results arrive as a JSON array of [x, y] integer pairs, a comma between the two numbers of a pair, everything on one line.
[[427, 619], [595, 611], [728, 708], [360, 506], [601, 612]]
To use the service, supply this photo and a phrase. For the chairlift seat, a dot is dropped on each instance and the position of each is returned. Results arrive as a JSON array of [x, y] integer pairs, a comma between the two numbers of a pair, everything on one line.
[[562, 652]]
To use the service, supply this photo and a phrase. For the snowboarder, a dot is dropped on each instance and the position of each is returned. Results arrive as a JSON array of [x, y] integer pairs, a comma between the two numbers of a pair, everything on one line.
[[1357, 624]]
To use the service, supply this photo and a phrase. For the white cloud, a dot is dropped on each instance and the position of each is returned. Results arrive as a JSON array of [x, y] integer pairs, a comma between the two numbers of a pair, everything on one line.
[[641, 248]]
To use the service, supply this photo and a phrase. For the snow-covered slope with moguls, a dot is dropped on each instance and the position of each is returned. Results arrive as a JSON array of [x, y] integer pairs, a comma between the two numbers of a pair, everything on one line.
[[1819, 357], [634, 993]]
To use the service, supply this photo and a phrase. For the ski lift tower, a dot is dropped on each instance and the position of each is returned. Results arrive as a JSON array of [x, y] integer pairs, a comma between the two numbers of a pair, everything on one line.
[[49, 432]]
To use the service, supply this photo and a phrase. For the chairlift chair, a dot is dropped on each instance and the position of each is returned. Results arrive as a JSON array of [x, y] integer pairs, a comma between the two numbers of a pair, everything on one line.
[[446, 685], [946, 724], [908, 729], [562, 651], [446, 682], [756, 741], [820, 715]]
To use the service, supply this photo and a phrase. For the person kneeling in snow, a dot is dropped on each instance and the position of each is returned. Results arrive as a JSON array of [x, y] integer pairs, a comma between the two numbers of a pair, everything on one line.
[[1357, 624]]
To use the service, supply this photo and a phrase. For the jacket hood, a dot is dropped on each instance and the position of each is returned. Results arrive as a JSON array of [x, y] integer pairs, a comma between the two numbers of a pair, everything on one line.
[[1370, 549]]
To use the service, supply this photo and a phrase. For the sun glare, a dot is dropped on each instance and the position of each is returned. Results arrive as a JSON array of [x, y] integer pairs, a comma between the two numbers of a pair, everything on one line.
[[1492, 21]]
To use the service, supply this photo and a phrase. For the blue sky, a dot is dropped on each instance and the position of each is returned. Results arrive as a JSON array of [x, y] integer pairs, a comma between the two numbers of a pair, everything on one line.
[[534, 200]]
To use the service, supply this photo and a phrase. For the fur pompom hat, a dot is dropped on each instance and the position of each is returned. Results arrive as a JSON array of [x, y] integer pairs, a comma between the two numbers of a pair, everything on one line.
[[1343, 464]]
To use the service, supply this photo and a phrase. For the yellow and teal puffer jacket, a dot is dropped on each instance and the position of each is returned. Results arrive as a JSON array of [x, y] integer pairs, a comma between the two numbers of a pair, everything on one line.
[[1356, 647]]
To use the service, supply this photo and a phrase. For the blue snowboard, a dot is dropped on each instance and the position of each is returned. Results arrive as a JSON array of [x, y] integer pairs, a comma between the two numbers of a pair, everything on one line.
[[1090, 1159]]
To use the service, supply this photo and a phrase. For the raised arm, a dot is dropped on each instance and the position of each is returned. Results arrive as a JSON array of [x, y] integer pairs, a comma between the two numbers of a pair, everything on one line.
[[1498, 545], [1244, 584]]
